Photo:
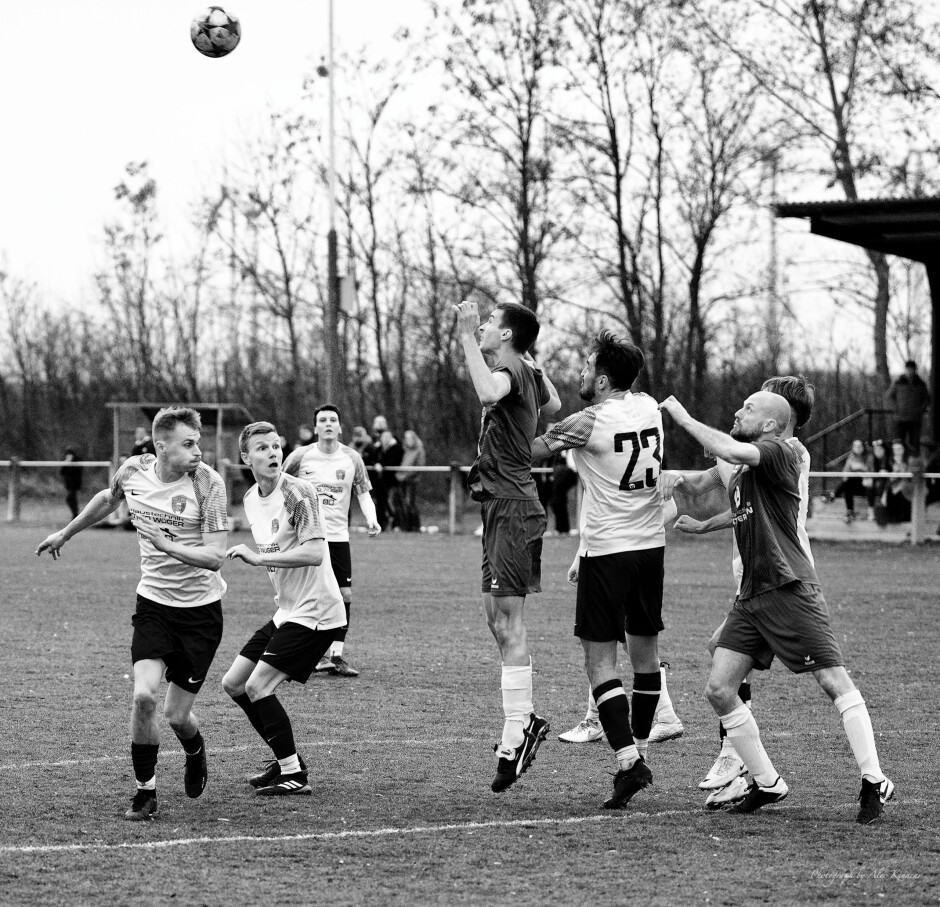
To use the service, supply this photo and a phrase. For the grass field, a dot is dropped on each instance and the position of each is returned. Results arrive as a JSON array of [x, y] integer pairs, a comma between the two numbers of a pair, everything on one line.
[[401, 757]]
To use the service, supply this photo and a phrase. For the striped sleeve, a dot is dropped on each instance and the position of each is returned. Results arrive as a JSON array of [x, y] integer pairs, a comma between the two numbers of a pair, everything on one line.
[[574, 431], [360, 482], [125, 471], [303, 510], [211, 498]]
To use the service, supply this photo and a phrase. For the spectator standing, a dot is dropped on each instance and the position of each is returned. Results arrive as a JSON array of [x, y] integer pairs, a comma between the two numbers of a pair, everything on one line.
[[406, 497], [386, 451], [143, 443], [72, 479], [361, 442], [564, 478], [910, 398]]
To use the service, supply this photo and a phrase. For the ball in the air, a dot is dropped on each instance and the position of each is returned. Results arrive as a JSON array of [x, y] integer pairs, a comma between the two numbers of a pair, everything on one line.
[[215, 32]]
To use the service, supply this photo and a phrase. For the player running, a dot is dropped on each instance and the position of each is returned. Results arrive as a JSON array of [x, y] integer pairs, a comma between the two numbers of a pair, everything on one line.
[[617, 443], [178, 506], [780, 606], [284, 515], [512, 391], [336, 470]]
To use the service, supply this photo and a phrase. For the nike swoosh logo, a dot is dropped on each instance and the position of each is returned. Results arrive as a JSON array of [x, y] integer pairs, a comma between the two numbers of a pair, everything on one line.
[[193, 680], [136, 493]]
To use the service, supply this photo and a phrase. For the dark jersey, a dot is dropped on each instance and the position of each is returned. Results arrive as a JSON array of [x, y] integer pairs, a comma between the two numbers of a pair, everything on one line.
[[766, 504], [503, 467]]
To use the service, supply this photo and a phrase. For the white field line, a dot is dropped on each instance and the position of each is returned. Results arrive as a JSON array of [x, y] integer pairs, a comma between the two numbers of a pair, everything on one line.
[[372, 833]]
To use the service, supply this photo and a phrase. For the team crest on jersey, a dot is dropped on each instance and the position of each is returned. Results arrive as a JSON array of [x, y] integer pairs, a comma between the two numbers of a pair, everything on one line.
[[737, 497], [340, 475], [178, 503], [275, 525]]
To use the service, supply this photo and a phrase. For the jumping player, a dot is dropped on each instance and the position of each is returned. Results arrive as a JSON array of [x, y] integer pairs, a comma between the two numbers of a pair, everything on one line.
[[284, 515], [512, 391], [178, 506]]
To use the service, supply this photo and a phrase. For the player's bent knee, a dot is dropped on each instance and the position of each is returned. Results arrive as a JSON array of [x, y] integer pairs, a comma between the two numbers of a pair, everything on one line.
[[720, 696], [232, 686], [145, 701]]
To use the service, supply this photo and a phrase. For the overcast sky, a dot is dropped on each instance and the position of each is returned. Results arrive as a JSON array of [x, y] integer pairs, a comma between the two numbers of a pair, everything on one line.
[[89, 85]]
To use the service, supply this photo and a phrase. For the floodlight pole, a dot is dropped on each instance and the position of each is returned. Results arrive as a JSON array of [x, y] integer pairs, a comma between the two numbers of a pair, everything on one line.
[[331, 351]]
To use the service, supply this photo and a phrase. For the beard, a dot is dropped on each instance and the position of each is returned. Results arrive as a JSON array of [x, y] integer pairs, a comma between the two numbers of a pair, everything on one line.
[[741, 434], [587, 393]]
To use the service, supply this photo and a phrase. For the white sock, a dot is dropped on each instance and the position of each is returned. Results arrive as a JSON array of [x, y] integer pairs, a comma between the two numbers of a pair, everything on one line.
[[727, 747], [338, 647], [665, 713], [290, 765], [148, 785], [516, 685], [641, 746], [627, 756], [741, 727], [592, 713], [857, 724]]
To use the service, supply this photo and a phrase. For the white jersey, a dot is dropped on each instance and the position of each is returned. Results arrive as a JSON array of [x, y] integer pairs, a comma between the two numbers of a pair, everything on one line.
[[335, 476], [618, 451], [725, 471], [184, 510], [283, 520]]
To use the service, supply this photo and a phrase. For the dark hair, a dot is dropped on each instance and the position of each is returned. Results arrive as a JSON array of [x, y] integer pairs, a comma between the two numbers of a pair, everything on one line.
[[618, 358], [797, 391], [324, 408], [522, 322], [249, 431], [171, 416], [911, 364]]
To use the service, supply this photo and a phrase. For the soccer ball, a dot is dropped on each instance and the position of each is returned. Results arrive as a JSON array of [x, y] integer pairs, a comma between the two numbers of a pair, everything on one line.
[[215, 32]]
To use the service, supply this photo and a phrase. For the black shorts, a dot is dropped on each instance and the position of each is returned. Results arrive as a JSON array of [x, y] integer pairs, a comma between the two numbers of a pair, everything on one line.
[[341, 562], [763, 657], [791, 621], [619, 594], [512, 546], [184, 639], [291, 648]]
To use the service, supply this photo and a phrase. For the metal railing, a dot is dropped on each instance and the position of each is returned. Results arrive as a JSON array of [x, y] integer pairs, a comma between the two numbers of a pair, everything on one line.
[[456, 491]]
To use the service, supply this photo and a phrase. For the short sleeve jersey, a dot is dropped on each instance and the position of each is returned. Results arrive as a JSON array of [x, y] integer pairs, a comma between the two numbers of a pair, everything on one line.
[[726, 470], [335, 476], [618, 449], [503, 466], [286, 519], [765, 500], [183, 510]]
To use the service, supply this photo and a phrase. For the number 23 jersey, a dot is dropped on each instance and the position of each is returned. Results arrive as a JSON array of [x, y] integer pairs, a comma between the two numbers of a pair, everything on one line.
[[617, 447]]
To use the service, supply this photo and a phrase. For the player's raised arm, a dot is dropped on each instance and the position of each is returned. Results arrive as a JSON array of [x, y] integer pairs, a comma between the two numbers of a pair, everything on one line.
[[722, 445], [491, 387], [100, 506], [308, 554]]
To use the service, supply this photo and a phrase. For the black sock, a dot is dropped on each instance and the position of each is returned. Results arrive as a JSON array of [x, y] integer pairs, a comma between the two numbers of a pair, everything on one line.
[[192, 746], [646, 688], [744, 692], [144, 757], [277, 727], [248, 707], [614, 713], [722, 733]]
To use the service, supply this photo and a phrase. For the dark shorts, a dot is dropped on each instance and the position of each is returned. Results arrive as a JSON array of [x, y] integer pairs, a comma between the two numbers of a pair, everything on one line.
[[618, 594], [762, 659], [791, 622], [512, 546], [291, 648], [341, 562], [185, 639]]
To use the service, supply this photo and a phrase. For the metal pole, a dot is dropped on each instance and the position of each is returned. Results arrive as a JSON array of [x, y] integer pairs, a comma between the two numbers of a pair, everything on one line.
[[13, 492], [452, 498], [331, 352]]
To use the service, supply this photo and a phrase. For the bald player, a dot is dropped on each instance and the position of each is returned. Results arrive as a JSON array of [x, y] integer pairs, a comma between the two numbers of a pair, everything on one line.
[[780, 604]]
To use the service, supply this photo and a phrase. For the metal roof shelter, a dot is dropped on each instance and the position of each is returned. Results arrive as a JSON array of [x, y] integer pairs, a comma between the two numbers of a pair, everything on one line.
[[227, 420], [906, 227]]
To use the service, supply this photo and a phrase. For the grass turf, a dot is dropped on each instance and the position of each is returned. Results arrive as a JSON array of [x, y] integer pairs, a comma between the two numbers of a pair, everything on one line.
[[401, 757]]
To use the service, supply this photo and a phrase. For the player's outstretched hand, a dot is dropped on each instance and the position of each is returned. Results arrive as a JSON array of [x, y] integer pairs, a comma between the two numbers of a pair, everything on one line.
[[53, 544], [149, 530], [374, 529], [669, 480], [468, 316], [243, 552], [685, 523], [675, 409]]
